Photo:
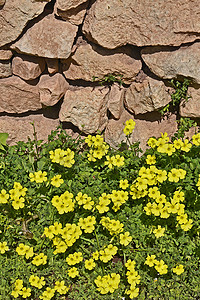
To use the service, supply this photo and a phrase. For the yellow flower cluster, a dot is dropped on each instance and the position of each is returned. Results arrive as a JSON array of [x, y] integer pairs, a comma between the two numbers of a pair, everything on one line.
[[87, 224], [64, 203], [130, 125], [118, 198], [113, 226], [99, 147], [159, 265], [17, 194], [107, 253], [62, 237], [104, 201], [133, 279], [25, 250], [20, 290], [37, 281], [39, 259], [74, 258], [114, 161], [47, 294], [84, 200], [108, 283], [38, 177], [163, 208], [169, 148], [63, 157]]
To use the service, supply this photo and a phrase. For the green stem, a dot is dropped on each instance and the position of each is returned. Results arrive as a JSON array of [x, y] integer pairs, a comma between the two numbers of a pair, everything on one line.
[[102, 266]]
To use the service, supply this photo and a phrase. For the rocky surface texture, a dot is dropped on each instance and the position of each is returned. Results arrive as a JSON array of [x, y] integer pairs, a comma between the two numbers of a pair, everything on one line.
[[93, 64]]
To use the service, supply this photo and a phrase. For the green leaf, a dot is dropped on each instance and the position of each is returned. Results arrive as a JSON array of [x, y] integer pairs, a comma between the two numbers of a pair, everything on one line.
[[3, 139]]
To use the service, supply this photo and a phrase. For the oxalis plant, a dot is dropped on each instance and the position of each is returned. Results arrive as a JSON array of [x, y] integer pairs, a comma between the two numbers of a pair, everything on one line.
[[80, 220]]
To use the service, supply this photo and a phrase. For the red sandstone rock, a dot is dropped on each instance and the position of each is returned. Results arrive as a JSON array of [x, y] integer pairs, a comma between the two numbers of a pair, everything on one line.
[[52, 88], [5, 54], [50, 37], [146, 96], [5, 68], [14, 15], [52, 65], [115, 100], [91, 60], [17, 96], [2, 2], [190, 108], [66, 5], [28, 67], [168, 63], [19, 128], [113, 23], [68, 12], [85, 108]]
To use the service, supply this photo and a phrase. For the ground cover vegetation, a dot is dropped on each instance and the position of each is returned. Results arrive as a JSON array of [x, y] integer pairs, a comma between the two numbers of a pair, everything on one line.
[[80, 220]]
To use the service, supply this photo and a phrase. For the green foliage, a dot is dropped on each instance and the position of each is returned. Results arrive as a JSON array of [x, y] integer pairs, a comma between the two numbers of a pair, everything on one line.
[[109, 79], [184, 125], [3, 139], [27, 224], [179, 94]]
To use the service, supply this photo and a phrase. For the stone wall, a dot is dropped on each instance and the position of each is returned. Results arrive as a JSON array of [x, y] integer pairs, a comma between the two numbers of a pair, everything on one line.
[[50, 50]]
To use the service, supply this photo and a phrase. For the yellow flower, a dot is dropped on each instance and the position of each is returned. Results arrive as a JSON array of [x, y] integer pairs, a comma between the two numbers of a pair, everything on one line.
[[57, 181], [95, 255], [178, 269], [188, 225], [90, 264], [196, 139], [3, 247], [21, 249], [109, 162], [123, 184], [151, 159], [61, 288], [173, 175], [130, 264], [159, 231], [125, 238], [133, 292], [118, 161], [3, 197], [150, 260], [161, 267], [73, 272], [178, 144], [18, 203], [186, 146]]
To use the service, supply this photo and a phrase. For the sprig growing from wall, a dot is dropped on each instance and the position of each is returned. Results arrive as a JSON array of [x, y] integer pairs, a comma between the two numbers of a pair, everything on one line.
[[109, 79], [180, 93]]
